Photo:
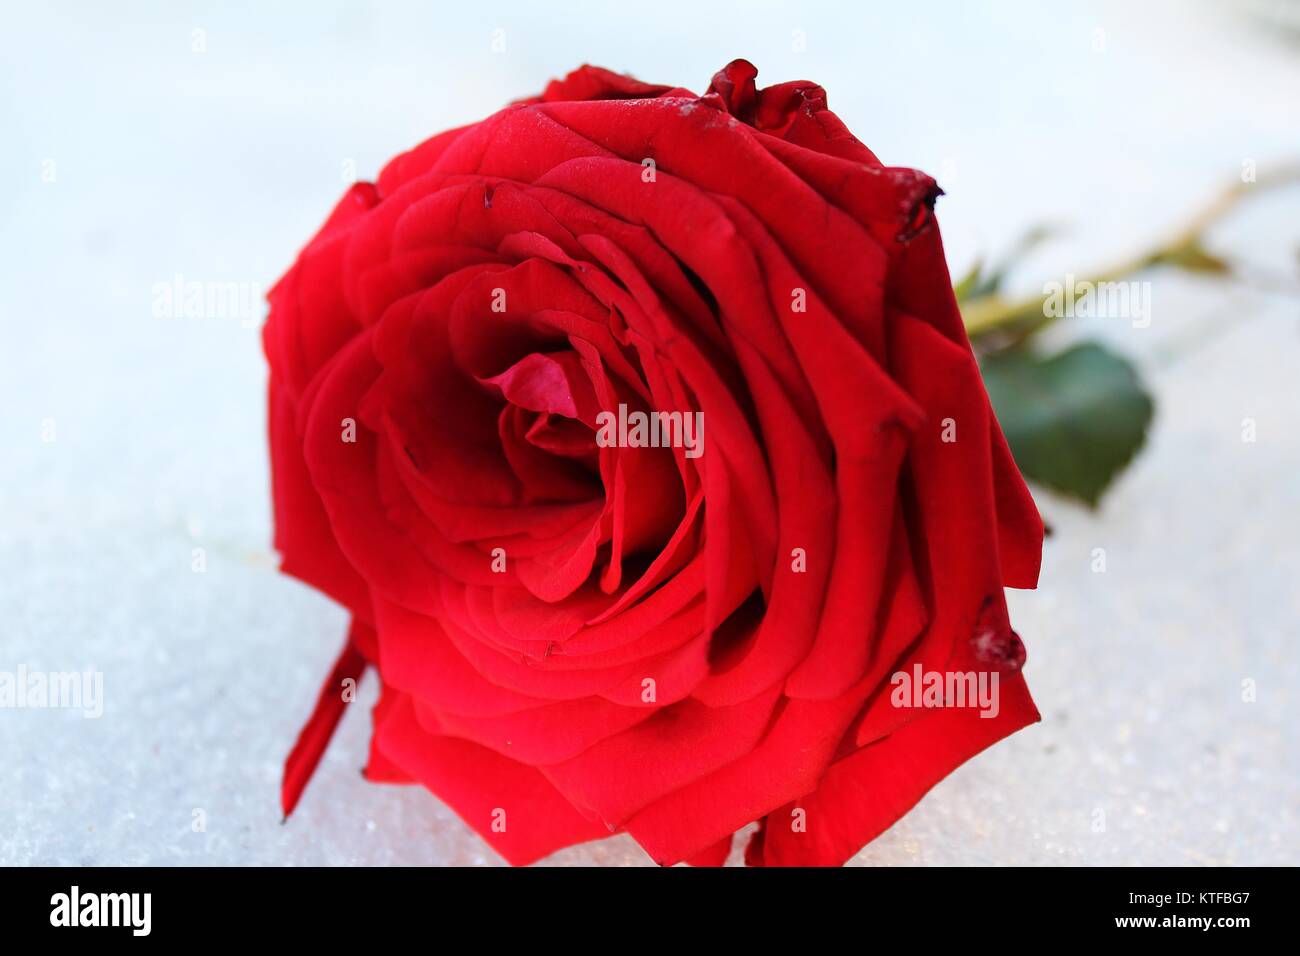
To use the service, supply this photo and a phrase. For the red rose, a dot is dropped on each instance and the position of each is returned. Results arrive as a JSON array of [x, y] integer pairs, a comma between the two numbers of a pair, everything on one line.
[[640, 434]]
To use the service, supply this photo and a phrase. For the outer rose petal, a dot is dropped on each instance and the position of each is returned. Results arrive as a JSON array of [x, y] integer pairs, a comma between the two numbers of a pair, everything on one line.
[[1020, 527], [788, 761], [678, 746], [715, 855], [863, 794], [595, 83], [308, 549], [511, 806]]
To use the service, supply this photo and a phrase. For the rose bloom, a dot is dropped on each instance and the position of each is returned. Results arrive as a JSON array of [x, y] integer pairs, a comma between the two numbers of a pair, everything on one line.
[[579, 630]]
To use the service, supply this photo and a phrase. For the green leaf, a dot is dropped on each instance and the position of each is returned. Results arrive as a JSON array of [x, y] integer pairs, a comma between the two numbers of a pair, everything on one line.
[[1074, 420]]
